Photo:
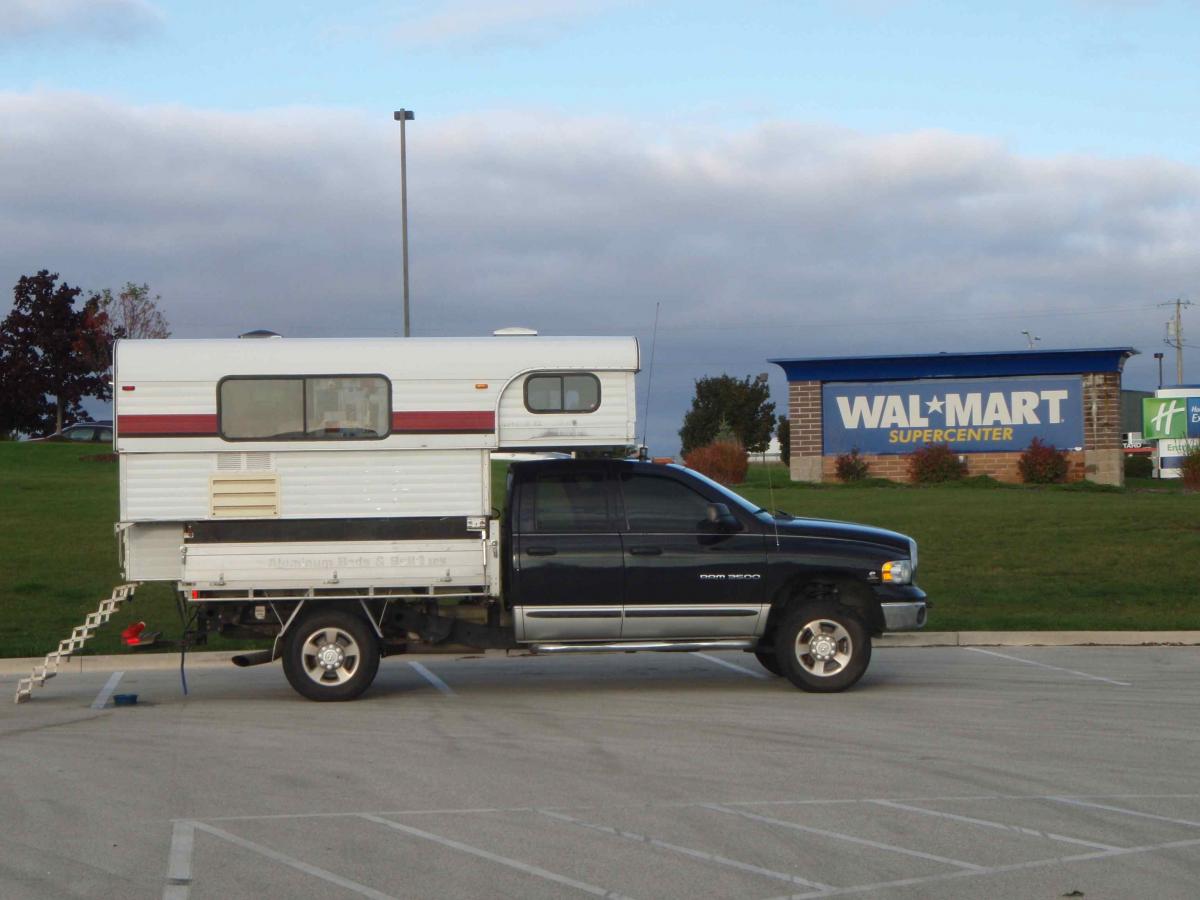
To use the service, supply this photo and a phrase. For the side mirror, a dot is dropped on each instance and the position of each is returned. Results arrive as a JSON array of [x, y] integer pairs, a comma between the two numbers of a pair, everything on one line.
[[720, 516]]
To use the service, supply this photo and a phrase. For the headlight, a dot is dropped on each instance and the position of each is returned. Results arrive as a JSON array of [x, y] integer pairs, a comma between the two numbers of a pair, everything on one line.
[[898, 571]]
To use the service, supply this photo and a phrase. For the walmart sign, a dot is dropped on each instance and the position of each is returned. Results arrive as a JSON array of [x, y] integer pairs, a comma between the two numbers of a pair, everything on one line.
[[971, 415]]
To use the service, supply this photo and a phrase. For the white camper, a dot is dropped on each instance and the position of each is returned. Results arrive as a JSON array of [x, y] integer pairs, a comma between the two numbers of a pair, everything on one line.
[[279, 468]]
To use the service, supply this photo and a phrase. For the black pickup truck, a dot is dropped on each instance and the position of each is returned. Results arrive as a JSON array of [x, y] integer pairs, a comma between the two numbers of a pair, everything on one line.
[[618, 555]]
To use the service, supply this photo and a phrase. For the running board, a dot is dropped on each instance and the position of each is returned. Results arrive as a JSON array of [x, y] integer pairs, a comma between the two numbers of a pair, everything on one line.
[[634, 646]]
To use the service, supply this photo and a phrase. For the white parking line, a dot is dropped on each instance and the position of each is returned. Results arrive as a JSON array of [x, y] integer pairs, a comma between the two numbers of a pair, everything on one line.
[[179, 861], [986, 823], [1128, 812], [687, 851], [304, 867], [432, 679], [502, 860], [722, 662], [107, 691], [1041, 665], [837, 835]]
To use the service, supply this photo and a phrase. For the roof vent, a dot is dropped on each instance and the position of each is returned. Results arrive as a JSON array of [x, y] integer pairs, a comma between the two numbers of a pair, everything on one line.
[[260, 333], [515, 332]]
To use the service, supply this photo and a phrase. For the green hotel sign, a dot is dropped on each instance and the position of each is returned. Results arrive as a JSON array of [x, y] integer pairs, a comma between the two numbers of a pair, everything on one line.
[[1170, 417]]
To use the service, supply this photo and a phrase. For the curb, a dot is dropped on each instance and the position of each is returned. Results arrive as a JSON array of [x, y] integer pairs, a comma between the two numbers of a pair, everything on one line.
[[132, 662]]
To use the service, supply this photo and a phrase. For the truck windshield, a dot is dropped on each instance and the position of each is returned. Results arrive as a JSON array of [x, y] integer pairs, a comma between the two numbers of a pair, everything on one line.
[[735, 499]]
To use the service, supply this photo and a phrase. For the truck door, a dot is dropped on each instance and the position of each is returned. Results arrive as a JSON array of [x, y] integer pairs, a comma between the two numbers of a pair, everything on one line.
[[685, 577], [568, 562]]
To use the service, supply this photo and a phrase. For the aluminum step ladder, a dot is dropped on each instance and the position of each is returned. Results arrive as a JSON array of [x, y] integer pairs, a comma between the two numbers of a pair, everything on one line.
[[79, 636]]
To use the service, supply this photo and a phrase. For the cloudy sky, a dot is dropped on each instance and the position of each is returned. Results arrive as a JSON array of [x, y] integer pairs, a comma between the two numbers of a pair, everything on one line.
[[785, 179]]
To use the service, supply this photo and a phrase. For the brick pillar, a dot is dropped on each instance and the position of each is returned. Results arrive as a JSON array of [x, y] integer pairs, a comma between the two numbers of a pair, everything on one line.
[[804, 413], [1103, 460]]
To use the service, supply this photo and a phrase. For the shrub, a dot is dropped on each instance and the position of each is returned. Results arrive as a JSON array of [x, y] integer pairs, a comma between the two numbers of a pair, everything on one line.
[[783, 432], [1043, 464], [851, 466], [1139, 466], [1191, 467], [723, 461], [935, 463]]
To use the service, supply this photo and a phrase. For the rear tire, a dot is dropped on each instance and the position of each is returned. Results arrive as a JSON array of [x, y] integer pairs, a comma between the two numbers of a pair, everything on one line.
[[330, 654], [769, 661], [822, 648]]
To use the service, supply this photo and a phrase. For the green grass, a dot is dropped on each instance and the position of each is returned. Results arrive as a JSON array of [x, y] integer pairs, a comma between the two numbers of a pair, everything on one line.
[[991, 557]]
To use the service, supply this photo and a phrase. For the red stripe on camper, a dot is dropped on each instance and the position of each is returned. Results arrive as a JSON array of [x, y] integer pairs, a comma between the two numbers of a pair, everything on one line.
[[197, 425], [452, 422]]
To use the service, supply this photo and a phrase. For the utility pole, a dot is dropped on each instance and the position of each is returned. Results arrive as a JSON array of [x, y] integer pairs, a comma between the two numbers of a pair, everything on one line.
[[402, 116], [1175, 336]]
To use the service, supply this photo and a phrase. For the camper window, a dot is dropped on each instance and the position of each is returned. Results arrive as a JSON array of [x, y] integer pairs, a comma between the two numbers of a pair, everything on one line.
[[299, 408], [562, 393]]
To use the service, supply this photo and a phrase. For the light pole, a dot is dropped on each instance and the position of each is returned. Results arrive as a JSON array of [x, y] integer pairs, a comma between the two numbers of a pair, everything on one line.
[[402, 116], [1159, 357]]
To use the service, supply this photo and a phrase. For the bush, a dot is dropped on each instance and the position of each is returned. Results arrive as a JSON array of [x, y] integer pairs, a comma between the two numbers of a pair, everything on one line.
[[1191, 468], [1140, 466], [783, 433], [934, 464], [723, 461], [1043, 464], [851, 466]]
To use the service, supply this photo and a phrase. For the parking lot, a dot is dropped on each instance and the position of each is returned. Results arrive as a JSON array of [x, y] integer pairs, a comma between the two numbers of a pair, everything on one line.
[[949, 772]]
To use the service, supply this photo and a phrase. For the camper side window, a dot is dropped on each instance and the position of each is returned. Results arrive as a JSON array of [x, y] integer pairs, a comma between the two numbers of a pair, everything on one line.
[[300, 408], [562, 393]]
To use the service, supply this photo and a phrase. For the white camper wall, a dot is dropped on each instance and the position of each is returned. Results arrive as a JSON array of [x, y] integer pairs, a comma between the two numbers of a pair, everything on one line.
[[312, 484], [612, 424]]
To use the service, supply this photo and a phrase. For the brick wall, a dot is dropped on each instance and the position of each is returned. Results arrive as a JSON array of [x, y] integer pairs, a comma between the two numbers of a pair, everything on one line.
[[1102, 411], [1001, 466], [804, 413]]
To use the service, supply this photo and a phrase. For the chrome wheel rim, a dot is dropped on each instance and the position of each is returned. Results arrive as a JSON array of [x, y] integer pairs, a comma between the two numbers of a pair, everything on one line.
[[331, 656], [824, 648]]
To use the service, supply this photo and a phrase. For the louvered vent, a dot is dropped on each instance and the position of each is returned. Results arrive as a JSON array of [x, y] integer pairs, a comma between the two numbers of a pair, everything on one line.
[[245, 462], [243, 495]]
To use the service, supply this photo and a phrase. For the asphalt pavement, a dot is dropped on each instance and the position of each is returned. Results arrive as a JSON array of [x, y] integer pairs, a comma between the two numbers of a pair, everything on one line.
[[948, 772]]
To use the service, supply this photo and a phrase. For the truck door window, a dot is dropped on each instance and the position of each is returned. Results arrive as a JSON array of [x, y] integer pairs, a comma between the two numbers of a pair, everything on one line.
[[570, 503], [654, 504]]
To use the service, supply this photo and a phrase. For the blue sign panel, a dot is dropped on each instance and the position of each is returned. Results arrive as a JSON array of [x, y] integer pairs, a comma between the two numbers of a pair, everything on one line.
[[976, 415], [1193, 417]]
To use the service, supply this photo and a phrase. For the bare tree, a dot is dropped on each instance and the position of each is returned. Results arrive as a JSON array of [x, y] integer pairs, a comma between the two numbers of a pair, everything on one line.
[[133, 313]]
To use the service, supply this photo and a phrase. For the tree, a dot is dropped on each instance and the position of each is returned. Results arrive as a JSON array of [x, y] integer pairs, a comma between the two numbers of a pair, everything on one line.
[[133, 313], [741, 405], [784, 433], [48, 348]]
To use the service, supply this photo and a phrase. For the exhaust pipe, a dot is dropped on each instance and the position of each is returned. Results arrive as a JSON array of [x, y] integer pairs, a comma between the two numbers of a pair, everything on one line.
[[257, 658]]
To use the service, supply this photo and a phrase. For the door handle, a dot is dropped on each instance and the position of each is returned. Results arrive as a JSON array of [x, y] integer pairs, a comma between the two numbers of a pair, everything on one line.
[[646, 551], [541, 551]]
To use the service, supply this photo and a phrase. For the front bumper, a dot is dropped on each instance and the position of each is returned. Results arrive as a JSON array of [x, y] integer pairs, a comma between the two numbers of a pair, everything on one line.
[[904, 606]]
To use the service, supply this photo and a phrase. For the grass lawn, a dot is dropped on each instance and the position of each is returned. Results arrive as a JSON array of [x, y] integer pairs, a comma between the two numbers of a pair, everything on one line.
[[991, 558]]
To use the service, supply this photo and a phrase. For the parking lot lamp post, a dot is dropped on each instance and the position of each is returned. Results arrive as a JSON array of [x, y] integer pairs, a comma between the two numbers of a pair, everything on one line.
[[402, 116]]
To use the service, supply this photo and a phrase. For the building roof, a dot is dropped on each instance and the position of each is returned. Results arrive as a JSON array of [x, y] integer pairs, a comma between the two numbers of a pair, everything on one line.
[[991, 363]]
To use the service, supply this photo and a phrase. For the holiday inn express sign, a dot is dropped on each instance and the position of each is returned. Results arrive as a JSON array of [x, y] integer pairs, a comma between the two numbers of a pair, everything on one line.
[[971, 415]]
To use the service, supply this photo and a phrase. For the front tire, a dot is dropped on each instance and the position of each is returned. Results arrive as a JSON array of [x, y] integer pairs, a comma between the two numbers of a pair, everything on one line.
[[330, 654], [822, 648]]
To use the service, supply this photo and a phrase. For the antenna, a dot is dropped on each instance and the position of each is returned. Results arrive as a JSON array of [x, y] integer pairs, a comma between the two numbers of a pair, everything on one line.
[[642, 454], [762, 379]]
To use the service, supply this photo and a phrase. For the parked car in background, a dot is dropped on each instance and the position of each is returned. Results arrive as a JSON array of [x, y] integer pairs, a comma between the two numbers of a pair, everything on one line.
[[83, 433]]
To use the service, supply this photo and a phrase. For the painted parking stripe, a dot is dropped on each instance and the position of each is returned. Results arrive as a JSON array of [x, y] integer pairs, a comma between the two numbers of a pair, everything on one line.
[[107, 691], [179, 861], [688, 851], [306, 868], [528, 869], [837, 835], [727, 664], [432, 679], [1128, 812], [986, 823], [1042, 665]]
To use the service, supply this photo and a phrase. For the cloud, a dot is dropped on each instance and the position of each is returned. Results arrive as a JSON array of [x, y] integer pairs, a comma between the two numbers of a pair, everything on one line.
[[491, 22], [117, 20], [788, 239]]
